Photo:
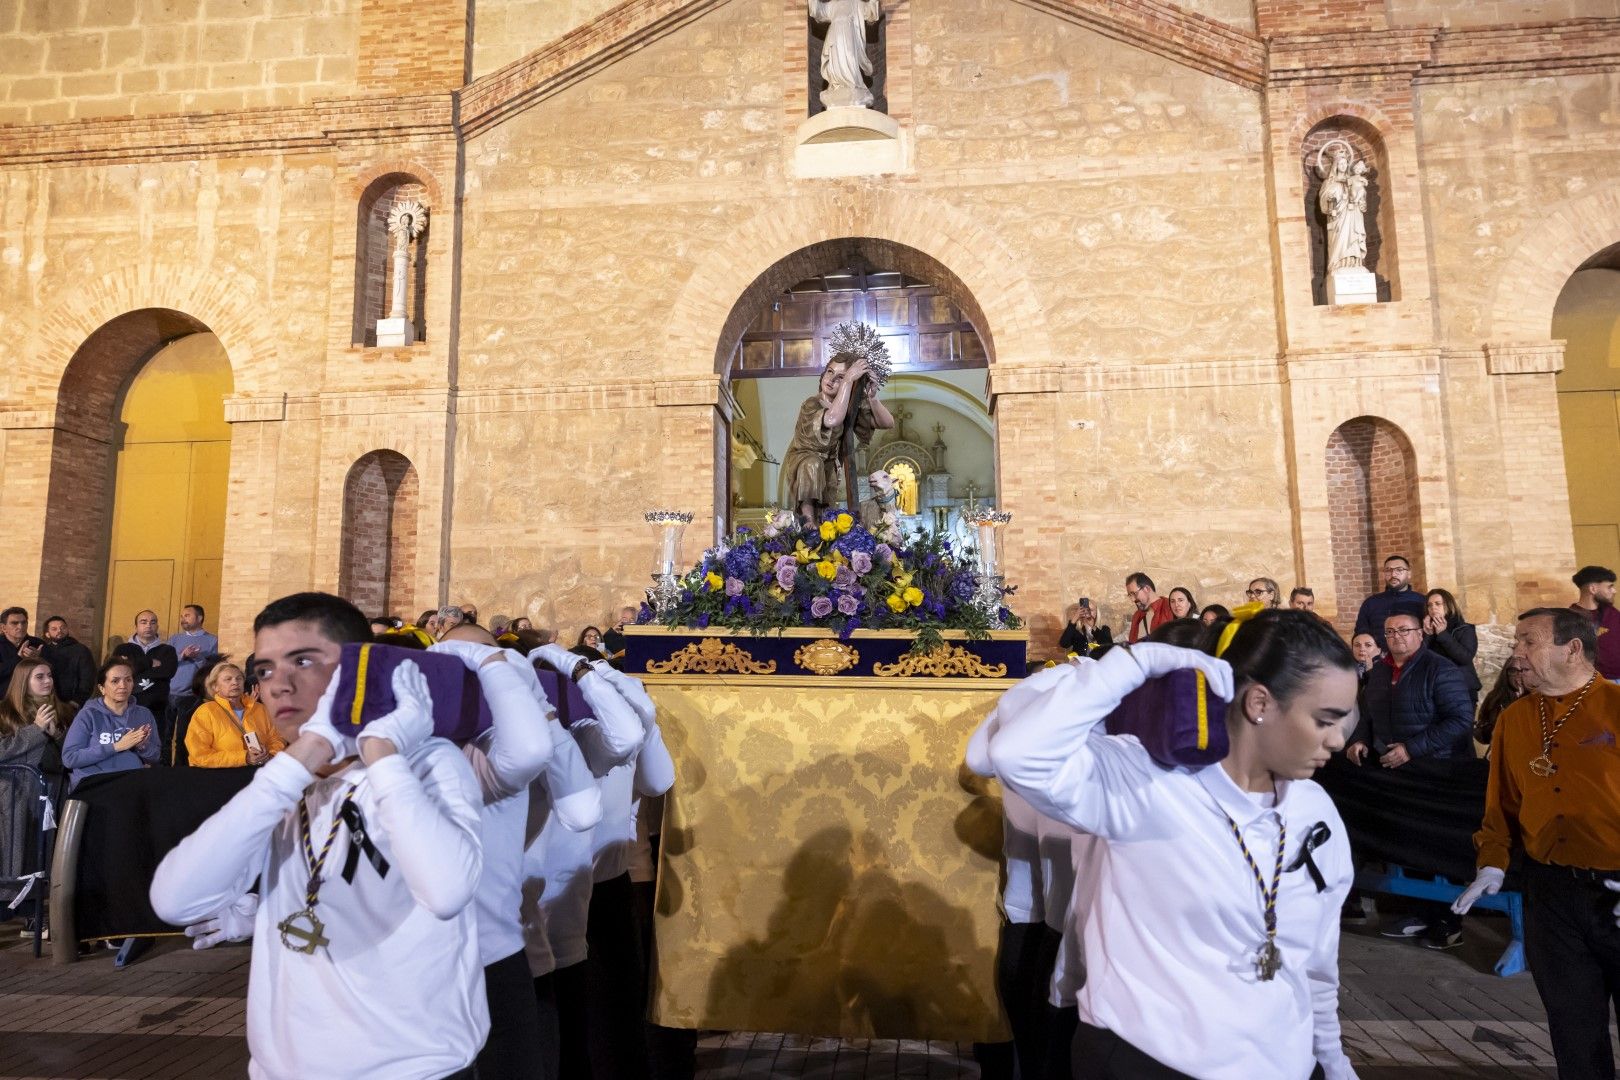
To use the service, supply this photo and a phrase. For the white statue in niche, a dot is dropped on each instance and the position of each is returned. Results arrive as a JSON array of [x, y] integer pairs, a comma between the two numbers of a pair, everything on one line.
[[406, 221], [1343, 202], [845, 65]]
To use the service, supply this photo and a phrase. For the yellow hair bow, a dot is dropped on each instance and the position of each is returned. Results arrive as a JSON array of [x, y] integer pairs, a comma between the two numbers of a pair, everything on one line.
[[1240, 615]]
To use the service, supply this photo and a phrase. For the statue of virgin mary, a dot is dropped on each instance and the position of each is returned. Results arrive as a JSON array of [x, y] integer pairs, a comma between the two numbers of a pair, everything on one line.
[[845, 65]]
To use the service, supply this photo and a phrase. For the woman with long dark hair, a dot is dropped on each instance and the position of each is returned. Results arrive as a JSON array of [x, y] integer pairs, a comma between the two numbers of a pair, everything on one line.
[[1182, 604], [1513, 682], [112, 733], [1448, 634], [1211, 907]]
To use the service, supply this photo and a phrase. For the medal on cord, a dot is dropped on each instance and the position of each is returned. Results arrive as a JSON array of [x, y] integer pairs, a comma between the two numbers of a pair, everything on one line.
[[305, 927], [1543, 765], [1268, 958]]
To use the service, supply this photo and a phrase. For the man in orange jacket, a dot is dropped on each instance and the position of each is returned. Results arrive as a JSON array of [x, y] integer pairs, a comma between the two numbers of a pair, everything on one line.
[[1152, 610]]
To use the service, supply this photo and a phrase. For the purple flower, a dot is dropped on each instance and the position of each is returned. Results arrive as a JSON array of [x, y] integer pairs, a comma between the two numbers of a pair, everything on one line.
[[861, 563], [848, 605], [844, 577], [734, 586], [702, 620], [885, 552], [785, 573], [787, 561], [820, 607]]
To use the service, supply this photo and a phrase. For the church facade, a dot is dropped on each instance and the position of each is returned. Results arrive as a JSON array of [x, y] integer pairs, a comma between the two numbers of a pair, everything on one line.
[[1124, 200]]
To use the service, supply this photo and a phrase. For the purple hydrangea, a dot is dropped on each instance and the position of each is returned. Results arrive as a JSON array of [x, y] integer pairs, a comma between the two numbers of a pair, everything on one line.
[[743, 560], [734, 586], [785, 573], [820, 607], [861, 563], [848, 605]]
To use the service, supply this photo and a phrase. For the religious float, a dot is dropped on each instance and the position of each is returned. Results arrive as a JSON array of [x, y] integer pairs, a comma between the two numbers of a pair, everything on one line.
[[828, 867]]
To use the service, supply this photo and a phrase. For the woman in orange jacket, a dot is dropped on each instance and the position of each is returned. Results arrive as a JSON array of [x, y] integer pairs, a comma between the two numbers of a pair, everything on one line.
[[230, 730]]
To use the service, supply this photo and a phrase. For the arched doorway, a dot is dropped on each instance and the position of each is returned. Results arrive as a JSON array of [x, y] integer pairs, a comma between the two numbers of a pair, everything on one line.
[[1373, 509], [1587, 318], [380, 499], [139, 466], [942, 449]]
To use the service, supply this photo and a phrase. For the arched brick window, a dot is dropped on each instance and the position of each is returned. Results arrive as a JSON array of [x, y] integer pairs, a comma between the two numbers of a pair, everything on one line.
[[1372, 508], [380, 500]]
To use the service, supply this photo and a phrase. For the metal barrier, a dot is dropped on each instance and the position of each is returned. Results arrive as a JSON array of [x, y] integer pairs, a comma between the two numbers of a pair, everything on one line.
[[1394, 881]]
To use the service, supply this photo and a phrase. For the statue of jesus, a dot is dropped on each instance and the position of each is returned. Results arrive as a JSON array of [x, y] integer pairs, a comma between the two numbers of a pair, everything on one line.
[[845, 65], [814, 464]]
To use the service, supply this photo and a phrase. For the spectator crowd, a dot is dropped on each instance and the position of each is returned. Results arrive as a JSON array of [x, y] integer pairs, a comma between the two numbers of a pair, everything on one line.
[[513, 936]]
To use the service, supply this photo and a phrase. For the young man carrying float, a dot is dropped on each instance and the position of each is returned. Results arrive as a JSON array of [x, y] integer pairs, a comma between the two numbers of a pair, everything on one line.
[[370, 974]]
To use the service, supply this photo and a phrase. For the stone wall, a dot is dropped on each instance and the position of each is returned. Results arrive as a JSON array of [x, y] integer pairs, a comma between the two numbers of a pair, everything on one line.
[[1112, 193]]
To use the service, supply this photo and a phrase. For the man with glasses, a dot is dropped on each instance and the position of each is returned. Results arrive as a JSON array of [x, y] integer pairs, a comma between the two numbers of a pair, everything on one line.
[[1414, 709], [1398, 595], [1152, 610]]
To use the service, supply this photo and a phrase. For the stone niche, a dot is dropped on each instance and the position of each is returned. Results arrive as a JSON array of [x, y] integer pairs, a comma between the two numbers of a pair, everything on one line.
[[1376, 280]]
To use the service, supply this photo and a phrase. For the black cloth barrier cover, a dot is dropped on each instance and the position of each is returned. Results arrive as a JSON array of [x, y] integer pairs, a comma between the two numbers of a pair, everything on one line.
[[1421, 816], [135, 818]]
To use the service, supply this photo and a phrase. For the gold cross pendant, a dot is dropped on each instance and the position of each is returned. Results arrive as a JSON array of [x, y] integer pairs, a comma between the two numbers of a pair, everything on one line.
[[311, 937]]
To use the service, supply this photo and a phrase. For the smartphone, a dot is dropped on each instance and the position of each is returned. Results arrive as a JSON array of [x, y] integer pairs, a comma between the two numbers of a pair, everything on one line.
[[1085, 601], [252, 740]]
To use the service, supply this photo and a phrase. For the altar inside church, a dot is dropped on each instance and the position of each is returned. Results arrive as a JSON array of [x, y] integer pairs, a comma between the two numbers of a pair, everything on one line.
[[827, 866]]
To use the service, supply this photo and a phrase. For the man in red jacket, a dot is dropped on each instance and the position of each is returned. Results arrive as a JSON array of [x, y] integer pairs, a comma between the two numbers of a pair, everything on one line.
[[1152, 610], [1596, 602]]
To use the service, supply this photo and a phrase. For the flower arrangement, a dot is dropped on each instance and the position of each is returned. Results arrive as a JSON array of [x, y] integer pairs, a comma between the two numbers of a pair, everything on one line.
[[836, 575]]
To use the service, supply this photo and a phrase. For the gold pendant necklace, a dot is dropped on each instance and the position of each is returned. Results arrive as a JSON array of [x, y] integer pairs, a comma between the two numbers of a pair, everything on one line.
[[1543, 765], [302, 931]]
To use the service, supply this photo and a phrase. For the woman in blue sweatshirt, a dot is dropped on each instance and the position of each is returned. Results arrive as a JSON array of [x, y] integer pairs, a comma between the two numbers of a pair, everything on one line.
[[111, 733]]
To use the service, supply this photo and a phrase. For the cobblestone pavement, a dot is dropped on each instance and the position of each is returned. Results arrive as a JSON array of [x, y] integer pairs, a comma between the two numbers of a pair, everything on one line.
[[1409, 1014]]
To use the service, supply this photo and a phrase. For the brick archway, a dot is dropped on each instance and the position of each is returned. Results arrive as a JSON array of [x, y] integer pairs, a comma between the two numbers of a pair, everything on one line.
[[83, 458], [946, 244], [1534, 274], [1373, 508], [381, 496]]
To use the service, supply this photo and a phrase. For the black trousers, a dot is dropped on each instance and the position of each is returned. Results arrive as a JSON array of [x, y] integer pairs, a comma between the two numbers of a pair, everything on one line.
[[1573, 947], [515, 1049], [1099, 1054], [1025, 958], [602, 1001], [671, 1052], [545, 1000]]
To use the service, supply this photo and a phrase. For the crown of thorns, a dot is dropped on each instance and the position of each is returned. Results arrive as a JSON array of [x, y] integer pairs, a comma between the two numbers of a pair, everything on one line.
[[860, 339]]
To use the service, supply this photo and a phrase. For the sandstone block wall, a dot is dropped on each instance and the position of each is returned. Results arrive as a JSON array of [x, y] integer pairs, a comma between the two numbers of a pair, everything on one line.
[[1115, 196]]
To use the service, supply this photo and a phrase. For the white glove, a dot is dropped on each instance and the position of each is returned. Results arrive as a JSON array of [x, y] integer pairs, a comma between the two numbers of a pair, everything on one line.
[[1487, 882], [411, 722], [471, 653], [1156, 658], [320, 722], [234, 923], [630, 688], [1614, 886], [559, 658]]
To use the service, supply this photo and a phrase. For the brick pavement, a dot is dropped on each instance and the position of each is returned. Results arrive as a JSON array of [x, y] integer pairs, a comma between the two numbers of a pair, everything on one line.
[[1409, 1014]]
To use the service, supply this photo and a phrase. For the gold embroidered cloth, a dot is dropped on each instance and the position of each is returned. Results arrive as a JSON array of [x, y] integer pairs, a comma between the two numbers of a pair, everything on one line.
[[828, 867]]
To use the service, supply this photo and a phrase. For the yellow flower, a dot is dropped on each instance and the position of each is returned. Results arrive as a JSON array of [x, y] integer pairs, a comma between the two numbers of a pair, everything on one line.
[[829, 531], [913, 595], [778, 592], [844, 523], [827, 569], [896, 604], [802, 553], [713, 580], [766, 562], [902, 580]]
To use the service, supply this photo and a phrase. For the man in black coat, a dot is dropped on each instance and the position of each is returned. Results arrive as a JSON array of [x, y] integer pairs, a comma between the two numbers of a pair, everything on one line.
[[72, 665], [1398, 595], [1415, 708], [155, 664]]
